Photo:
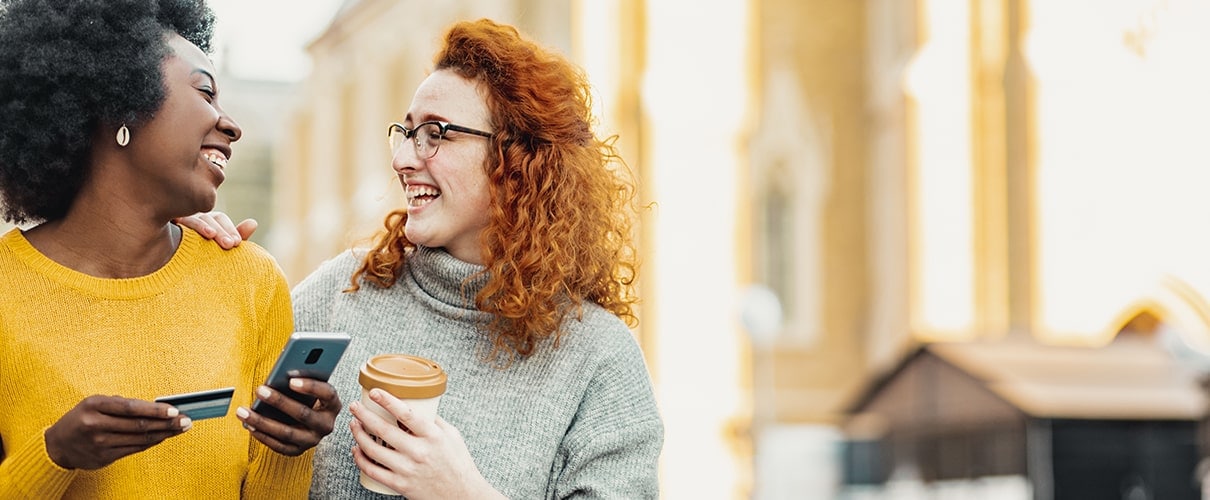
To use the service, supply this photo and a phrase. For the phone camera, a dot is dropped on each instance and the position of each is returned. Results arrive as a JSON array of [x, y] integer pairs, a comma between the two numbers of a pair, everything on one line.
[[313, 356]]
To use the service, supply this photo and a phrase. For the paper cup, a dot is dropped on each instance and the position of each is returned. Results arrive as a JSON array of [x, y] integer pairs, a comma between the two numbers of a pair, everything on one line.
[[417, 381]]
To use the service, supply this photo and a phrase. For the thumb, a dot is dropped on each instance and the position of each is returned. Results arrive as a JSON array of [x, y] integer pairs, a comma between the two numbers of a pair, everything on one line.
[[246, 228]]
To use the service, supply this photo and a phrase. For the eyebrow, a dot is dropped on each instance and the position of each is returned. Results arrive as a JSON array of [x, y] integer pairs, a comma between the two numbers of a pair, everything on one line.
[[428, 117], [213, 81]]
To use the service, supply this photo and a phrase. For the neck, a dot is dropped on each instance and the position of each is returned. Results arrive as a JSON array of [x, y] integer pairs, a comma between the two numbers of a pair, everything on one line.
[[107, 242]]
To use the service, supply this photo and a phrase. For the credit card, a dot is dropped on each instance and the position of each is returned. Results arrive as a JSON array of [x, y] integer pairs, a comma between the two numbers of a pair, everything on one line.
[[202, 404]]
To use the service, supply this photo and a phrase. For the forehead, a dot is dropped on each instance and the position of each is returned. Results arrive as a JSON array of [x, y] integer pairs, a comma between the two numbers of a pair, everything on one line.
[[189, 53], [448, 96]]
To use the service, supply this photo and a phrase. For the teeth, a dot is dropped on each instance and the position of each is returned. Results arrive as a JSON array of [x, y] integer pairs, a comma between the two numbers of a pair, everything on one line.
[[422, 191], [216, 159], [421, 195]]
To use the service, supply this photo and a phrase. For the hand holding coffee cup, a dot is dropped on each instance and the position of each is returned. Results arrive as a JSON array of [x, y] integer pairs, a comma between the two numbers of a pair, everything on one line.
[[417, 381]]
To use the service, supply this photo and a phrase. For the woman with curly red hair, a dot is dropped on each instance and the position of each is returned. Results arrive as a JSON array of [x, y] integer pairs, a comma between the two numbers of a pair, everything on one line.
[[512, 266]]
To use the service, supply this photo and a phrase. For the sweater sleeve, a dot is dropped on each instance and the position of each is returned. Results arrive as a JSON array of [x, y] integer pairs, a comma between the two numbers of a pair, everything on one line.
[[272, 475], [28, 472], [275, 476], [613, 446]]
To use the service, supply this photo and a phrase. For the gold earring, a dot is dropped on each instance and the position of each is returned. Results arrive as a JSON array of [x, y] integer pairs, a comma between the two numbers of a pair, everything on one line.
[[123, 136]]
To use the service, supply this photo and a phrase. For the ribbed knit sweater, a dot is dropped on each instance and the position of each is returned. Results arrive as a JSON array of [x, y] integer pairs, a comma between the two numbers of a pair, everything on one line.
[[577, 421], [207, 319]]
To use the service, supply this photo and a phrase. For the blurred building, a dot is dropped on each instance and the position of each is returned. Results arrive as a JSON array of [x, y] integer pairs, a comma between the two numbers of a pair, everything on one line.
[[896, 173], [261, 109], [1051, 422]]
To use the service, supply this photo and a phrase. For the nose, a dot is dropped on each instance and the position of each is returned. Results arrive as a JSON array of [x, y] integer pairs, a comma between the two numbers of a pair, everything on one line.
[[405, 159], [229, 128]]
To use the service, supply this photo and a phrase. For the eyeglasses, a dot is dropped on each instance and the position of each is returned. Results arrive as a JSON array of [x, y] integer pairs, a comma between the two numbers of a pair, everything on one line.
[[426, 137]]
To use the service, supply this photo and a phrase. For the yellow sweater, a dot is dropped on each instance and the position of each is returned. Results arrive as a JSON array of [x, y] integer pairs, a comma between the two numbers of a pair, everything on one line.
[[207, 319]]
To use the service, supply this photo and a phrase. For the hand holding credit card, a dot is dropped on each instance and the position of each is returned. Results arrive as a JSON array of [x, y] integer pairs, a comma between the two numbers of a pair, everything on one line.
[[202, 404]]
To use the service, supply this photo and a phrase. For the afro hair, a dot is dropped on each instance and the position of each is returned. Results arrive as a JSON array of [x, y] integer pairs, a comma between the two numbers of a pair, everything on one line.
[[68, 68]]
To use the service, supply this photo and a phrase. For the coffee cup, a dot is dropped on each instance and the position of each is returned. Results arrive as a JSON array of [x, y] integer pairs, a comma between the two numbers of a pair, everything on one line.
[[418, 381]]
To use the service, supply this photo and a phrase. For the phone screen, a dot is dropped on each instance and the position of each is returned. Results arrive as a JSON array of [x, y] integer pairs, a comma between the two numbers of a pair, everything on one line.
[[306, 355]]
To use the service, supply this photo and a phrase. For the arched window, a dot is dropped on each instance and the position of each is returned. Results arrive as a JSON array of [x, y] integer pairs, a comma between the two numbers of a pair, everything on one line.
[[776, 262]]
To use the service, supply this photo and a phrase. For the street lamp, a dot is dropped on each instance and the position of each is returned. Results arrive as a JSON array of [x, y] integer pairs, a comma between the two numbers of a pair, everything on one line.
[[760, 314]]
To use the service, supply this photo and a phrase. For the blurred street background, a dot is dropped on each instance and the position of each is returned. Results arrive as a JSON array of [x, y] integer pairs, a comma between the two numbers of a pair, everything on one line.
[[892, 249]]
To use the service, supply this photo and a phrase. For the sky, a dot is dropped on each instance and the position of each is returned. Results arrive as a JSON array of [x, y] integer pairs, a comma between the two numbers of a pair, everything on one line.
[[266, 39]]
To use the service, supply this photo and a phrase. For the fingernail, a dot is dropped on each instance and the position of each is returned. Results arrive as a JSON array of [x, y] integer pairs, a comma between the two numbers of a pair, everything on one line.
[[263, 391], [242, 412], [186, 423], [172, 412], [296, 383]]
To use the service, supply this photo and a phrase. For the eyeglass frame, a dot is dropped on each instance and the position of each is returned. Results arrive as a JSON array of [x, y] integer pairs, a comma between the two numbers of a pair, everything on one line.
[[409, 134]]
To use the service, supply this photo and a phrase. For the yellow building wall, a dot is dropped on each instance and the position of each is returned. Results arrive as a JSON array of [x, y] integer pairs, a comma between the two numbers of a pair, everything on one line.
[[808, 145]]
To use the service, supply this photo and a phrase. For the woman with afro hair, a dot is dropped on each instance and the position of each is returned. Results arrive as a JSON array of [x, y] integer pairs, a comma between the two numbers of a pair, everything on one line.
[[512, 267], [111, 127]]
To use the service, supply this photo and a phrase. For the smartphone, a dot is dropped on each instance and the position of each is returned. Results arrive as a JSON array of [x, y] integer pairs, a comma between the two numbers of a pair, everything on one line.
[[202, 404], [307, 355]]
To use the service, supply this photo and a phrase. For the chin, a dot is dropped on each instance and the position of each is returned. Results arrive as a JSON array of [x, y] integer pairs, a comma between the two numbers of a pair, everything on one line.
[[205, 204], [417, 237]]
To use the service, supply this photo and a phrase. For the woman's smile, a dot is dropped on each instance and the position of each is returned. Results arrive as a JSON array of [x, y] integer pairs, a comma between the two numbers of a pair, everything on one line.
[[419, 195], [218, 162]]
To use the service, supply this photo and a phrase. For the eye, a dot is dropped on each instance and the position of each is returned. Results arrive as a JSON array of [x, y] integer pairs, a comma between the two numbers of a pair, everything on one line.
[[431, 133], [209, 92]]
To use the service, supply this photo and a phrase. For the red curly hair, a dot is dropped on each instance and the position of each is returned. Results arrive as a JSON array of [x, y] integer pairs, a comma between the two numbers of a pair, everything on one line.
[[559, 228]]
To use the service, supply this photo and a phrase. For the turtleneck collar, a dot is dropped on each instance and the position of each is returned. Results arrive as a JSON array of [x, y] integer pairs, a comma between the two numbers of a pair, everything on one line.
[[444, 277]]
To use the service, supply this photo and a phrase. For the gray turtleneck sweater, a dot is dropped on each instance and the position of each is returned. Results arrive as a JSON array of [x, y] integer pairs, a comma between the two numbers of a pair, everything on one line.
[[577, 421]]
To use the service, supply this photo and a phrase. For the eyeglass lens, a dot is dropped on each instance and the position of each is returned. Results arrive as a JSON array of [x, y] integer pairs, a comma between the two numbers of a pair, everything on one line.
[[426, 139]]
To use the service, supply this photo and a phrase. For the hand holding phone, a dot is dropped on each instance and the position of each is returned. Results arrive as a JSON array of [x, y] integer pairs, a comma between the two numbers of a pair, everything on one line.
[[306, 355]]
